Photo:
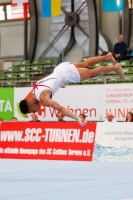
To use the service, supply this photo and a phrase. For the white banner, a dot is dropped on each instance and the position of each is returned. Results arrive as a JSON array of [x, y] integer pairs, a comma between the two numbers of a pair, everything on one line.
[[117, 99], [92, 100], [85, 99], [114, 142]]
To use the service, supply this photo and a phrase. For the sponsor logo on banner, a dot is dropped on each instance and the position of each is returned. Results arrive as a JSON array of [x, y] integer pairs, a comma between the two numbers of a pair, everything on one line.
[[7, 103], [114, 142], [53, 141]]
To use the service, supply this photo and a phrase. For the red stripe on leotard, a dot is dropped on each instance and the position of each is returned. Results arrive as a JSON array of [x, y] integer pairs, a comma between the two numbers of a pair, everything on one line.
[[36, 87]]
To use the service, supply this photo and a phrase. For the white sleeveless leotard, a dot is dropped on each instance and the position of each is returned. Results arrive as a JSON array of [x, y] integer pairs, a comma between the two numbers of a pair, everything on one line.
[[63, 73]]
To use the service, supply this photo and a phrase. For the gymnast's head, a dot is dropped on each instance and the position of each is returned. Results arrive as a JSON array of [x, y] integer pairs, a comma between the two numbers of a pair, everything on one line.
[[29, 106]]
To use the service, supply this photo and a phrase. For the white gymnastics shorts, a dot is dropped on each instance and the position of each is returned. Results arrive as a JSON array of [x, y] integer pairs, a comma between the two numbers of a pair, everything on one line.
[[68, 72]]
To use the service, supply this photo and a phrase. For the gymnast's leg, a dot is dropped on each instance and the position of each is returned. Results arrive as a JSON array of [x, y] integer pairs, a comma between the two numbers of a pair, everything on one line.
[[90, 73], [94, 60]]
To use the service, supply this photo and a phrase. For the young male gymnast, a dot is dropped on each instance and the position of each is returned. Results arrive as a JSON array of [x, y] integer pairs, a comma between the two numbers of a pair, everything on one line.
[[65, 72]]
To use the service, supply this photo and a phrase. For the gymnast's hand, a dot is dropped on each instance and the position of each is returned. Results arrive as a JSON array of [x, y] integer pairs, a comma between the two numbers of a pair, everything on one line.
[[80, 122]]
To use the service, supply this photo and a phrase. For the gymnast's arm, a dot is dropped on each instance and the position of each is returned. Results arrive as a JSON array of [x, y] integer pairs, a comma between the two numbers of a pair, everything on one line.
[[50, 103]]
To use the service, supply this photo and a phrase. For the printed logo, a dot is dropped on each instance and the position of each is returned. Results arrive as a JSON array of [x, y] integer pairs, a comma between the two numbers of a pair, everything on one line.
[[7, 103]]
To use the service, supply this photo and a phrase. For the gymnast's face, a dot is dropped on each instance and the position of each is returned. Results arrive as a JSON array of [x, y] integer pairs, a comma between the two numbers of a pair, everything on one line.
[[33, 107]]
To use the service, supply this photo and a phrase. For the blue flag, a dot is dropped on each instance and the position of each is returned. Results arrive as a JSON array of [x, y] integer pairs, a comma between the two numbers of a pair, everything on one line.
[[51, 8], [112, 5]]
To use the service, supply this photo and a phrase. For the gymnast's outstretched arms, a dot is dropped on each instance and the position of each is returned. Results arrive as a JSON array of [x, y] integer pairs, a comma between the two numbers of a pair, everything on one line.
[[51, 103]]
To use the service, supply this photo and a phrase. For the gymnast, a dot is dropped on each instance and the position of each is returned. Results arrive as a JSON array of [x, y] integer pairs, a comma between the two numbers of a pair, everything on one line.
[[65, 72]]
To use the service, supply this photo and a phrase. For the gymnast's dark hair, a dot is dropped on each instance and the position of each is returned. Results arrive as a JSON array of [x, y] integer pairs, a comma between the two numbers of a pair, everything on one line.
[[23, 106]]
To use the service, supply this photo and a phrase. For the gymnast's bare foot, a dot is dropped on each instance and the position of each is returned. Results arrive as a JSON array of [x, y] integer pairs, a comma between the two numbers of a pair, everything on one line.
[[119, 70], [109, 57]]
